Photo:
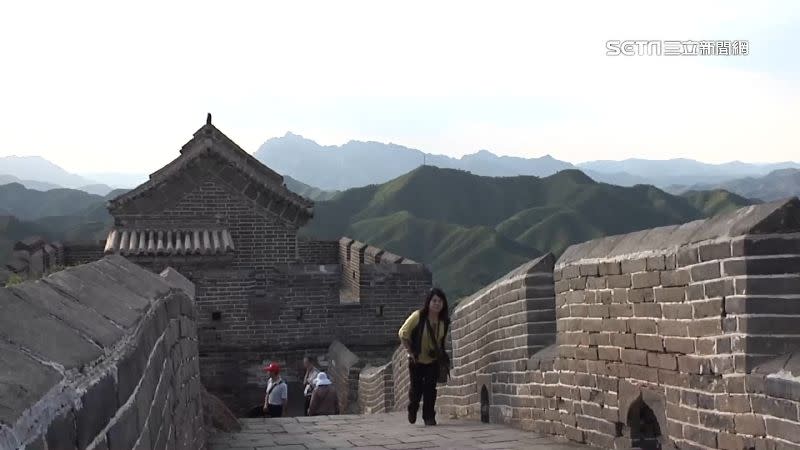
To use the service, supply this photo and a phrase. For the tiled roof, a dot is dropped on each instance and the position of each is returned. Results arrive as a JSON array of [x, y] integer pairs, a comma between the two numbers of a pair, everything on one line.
[[125, 241], [209, 139]]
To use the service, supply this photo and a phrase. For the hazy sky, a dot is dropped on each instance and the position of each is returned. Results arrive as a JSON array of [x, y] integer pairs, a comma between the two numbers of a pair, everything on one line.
[[102, 87]]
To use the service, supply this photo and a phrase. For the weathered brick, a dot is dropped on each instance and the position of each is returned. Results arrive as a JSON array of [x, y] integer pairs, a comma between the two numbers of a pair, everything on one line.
[[588, 270], [608, 353], [644, 295], [687, 256], [649, 342], [634, 265], [645, 326], [662, 361], [647, 310], [707, 308], [645, 279], [705, 327], [631, 356], [679, 345], [673, 278], [750, 424], [676, 311], [610, 268], [700, 435], [656, 263], [618, 281], [719, 288], [670, 294], [705, 271], [673, 328], [719, 250]]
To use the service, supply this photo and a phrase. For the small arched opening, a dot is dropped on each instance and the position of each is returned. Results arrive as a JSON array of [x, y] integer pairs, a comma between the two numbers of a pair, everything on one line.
[[645, 433], [484, 404]]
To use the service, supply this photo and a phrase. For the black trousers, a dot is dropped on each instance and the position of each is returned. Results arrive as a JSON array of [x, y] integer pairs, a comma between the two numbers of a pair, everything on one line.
[[423, 387], [274, 410], [307, 405]]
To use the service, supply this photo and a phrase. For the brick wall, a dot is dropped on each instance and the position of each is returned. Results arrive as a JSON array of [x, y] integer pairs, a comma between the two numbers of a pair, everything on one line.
[[318, 252], [687, 329], [76, 253], [376, 389], [494, 333], [123, 352]]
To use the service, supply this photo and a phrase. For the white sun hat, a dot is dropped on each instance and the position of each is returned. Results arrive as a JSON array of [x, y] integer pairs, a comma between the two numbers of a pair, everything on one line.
[[322, 379]]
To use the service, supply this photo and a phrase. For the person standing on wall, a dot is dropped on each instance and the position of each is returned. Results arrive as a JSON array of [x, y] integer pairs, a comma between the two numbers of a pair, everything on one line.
[[423, 335], [309, 380], [324, 401], [277, 392]]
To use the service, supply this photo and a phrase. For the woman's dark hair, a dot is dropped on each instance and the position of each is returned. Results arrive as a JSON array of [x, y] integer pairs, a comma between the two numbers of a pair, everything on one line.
[[444, 314], [311, 359]]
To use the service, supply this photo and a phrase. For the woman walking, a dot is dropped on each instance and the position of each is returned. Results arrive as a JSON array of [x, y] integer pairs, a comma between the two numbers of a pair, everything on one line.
[[423, 335]]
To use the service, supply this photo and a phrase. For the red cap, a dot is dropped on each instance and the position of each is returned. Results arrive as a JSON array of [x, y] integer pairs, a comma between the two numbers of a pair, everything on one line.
[[272, 367]]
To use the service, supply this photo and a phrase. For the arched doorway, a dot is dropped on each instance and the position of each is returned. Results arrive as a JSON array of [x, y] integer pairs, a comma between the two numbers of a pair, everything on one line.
[[484, 404], [645, 433]]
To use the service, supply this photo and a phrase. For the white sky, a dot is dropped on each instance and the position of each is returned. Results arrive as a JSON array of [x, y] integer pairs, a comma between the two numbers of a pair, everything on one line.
[[102, 87]]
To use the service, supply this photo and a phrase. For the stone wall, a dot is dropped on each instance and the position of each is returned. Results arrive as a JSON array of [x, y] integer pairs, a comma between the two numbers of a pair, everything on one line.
[[494, 333], [310, 251], [82, 252], [376, 389], [683, 335], [102, 355]]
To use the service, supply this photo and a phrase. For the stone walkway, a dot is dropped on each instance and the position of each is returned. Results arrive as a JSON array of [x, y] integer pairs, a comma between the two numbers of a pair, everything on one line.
[[378, 432]]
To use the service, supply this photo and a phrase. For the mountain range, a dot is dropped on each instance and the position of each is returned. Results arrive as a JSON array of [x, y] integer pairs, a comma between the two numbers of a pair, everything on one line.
[[358, 163], [776, 185], [472, 229]]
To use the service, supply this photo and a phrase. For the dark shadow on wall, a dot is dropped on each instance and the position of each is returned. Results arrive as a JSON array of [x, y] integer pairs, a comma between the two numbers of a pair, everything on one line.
[[644, 428]]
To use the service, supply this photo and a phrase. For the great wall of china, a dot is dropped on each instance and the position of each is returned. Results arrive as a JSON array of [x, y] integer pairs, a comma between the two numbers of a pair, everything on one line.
[[678, 336]]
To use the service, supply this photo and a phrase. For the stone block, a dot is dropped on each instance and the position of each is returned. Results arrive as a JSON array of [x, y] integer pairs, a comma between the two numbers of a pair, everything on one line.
[[705, 327], [702, 436], [609, 268], [662, 361], [130, 370], [643, 326], [673, 328], [123, 434], [677, 311], [99, 406], [619, 281], [670, 294], [634, 265], [62, 430], [705, 271], [647, 310], [780, 285], [679, 345], [645, 279], [632, 356], [649, 342], [674, 278], [750, 424], [656, 263], [687, 256], [25, 380], [711, 252], [719, 288], [623, 340], [788, 431], [708, 308], [643, 295]]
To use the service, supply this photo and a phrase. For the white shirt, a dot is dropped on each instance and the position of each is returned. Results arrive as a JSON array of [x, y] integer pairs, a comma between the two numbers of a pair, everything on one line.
[[279, 394]]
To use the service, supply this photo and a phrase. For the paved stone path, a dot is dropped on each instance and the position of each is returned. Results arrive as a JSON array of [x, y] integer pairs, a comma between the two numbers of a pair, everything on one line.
[[378, 432]]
